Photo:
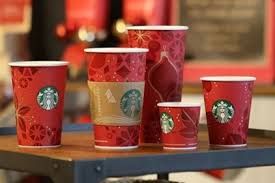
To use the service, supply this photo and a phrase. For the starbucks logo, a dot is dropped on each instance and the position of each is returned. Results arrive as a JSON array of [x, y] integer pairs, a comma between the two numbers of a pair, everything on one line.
[[130, 103], [47, 98], [167, 123], [223, 111]]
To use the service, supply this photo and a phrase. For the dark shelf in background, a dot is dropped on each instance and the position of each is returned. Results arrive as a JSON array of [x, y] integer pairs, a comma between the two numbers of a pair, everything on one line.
[[187, 89]]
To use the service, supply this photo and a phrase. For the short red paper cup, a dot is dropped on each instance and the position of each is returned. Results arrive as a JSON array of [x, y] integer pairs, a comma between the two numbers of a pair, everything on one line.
[[116, 85], [38, 88], [227, 104], [164, 72], [179, 125]]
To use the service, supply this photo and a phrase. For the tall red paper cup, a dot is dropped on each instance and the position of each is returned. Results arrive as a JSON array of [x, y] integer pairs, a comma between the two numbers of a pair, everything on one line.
[[164, 70], [38, 88], [116, 85], [179, 124], [227, 104]]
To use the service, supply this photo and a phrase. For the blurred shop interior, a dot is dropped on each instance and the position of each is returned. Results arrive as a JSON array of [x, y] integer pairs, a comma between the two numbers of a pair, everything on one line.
[[226, 36]]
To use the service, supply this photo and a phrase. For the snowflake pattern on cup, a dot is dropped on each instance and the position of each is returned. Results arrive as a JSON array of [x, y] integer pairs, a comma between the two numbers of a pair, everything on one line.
[[128, 137], [25, 76], [116, 136], [141, 37], [37, 132], [117, 67]]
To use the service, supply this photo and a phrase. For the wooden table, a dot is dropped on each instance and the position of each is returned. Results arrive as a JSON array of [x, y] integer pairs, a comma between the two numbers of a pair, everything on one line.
[[77, 160]]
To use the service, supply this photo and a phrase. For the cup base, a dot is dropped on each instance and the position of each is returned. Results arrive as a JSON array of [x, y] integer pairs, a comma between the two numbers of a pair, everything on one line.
[[38, 147], [179, 148], [227, 146], [115, 148]]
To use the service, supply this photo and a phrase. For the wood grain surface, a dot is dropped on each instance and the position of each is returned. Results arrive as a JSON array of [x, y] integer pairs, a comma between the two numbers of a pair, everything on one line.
[[79, 146]]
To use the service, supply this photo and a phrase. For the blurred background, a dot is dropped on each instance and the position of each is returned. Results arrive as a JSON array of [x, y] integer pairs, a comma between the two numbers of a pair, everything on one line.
[[228, 37]]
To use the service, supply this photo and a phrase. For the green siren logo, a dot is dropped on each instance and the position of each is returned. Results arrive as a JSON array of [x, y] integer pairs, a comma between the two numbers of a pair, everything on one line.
[[167, 123], [223, 111], [130, 103], [47, 98]]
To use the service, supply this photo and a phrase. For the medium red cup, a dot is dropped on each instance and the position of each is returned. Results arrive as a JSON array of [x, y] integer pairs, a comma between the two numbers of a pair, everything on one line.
[[38, 88], [179, 124], [227, 104], [164, 70], [116, 84]]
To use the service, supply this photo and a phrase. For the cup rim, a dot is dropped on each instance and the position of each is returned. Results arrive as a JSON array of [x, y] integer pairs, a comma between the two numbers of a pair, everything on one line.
[[158, 27], [38, 63], [116, 50], [179, 104], [228, 78]]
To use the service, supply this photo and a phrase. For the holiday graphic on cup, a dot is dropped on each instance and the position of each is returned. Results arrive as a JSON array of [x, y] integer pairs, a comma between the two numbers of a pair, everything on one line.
[[116, 103], [227, 103], [166, 122], [116, 85], [179, 125], [38, 88], [47, 97], [164, 70], [223, 111]]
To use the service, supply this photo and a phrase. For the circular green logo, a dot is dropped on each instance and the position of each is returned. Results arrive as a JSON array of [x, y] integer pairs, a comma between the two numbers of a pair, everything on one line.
[[47, 98], [167, 123], [223, 111], [130, 103]]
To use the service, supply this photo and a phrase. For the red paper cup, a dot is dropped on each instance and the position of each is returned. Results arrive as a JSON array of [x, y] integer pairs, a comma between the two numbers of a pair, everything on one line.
[[179, 124], [116, 83], [164, 65], [227, 104], [38, 88]]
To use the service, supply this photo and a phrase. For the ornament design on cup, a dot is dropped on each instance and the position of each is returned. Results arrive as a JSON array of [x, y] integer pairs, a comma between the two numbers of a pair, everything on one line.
[[131, 103], [167, 123], [223, 111], [47, 98]]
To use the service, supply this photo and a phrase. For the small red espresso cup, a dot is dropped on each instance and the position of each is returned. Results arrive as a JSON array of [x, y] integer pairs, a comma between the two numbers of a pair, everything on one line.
[[179, 124], [38, 88], [116, 85], [227, 104]]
